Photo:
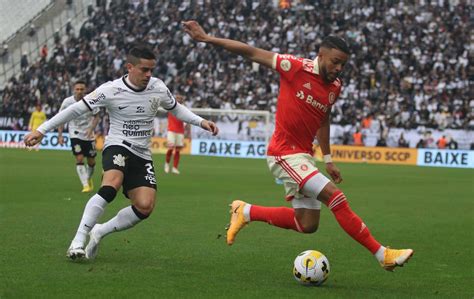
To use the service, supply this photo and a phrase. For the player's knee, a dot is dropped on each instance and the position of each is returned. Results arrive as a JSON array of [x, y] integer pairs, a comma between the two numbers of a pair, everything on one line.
[[311, 228], [108, 193], [145, 206]]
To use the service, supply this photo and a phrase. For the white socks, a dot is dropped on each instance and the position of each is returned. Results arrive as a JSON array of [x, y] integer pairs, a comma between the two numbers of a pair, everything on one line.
[[93, 210], [247, 212], [82, 173], [125, 219], [379, 255]]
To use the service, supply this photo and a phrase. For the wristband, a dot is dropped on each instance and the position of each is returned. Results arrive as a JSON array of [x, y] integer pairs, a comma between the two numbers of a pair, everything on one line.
[[327, 158]]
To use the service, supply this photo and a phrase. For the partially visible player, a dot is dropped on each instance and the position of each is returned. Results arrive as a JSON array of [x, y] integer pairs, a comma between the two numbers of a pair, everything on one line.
[[37, 118], [81, 133], [175, 140], [132, 102], [308, 89]]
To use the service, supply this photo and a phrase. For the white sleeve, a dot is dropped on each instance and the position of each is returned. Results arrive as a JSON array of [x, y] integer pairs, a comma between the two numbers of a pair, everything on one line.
[[64, 116], [186, 115]]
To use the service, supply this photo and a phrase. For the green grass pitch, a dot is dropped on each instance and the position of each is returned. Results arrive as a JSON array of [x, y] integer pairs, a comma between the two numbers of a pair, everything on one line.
[[176, 252]]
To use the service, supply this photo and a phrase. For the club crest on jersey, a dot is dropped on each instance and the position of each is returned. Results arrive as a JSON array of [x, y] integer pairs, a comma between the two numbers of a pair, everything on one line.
[[285, 65], [304, 167], [119, 160], [155, 104], [332, 97]]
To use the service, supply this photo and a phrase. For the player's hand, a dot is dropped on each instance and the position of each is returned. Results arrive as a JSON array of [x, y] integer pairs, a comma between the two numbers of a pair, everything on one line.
[[334, 172], [210, 126], [195, 31], [60, 139], [33, 138]]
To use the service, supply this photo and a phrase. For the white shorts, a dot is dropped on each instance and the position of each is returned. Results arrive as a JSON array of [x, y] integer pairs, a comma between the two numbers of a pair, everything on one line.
[[294, 171], [175, 139]]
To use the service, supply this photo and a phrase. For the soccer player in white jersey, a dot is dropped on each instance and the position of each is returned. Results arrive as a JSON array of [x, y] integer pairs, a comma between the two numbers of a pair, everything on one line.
[[81, 134], [132, 102]]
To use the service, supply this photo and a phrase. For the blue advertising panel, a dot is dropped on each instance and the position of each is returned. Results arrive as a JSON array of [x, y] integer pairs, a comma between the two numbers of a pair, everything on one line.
[[227, 148], [446, 158], [14, 139]]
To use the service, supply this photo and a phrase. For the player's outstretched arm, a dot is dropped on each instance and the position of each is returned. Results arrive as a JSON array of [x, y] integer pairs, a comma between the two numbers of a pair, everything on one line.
[[210, 126], [195, 31], [184, 114], [59, 119]]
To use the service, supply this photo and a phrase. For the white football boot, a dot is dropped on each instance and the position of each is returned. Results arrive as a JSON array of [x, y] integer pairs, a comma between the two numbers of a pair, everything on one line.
[[76, 253], [92, 247]]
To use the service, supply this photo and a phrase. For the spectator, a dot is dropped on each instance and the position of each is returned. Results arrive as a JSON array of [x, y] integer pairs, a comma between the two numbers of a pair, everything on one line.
[[358, 138], [421, 143], [402, 142], [442, 142], [452, 144]]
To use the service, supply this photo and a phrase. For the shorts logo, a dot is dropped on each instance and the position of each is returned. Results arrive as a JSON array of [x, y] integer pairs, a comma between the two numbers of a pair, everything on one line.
[[332, 97], [77, 148], [119, 160], [304, 167], [285, 65]]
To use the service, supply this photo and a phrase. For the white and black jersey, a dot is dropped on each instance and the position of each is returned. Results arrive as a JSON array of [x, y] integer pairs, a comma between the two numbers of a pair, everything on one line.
[[78, 127], [131, 112]]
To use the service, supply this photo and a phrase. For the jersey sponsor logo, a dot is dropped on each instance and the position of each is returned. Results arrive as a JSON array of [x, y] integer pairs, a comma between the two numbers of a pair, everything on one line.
[[122, 107], [312, 101], [307, 85], [285, 65], [332, 97], [140, 109], [99, 98], [119, 160]]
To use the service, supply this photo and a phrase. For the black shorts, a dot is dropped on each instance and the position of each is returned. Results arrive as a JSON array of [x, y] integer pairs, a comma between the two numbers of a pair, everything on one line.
[[83, 147], [137, 171]]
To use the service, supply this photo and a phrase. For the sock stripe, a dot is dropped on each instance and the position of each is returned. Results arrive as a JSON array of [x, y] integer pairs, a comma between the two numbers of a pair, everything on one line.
[[337, 200], [298, 226]]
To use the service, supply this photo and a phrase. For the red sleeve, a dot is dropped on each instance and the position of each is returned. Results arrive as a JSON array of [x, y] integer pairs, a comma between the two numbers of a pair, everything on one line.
[[287, 65]]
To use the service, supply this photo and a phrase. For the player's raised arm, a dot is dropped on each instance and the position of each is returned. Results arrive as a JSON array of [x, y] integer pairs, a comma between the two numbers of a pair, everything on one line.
[[258, 55], [59, 119]]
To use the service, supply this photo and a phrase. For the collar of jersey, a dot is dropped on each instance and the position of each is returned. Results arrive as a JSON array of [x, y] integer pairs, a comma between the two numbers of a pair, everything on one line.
[[316, 66], [131, 87]]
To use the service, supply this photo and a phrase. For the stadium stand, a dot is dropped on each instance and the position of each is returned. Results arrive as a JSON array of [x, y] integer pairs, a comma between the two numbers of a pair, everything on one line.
[[409, 68]]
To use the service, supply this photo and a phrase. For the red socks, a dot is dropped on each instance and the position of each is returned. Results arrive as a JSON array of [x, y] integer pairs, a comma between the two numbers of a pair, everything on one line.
[[278, 216], [176, 159], [168, 155], [351, 223]]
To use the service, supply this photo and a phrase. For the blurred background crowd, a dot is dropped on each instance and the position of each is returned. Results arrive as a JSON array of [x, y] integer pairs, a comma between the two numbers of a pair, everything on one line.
[[409, 66]]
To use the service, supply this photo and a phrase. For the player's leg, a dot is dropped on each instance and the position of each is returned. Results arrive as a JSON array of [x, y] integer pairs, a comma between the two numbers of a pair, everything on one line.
[[169, 153], [114, 159], [111, 182], [179, 143], [293, 170], [90, 154], [140, 187], [352, 224]]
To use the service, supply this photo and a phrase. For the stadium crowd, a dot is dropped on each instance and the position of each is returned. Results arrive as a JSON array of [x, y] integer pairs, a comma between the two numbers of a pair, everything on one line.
[[409, 67]]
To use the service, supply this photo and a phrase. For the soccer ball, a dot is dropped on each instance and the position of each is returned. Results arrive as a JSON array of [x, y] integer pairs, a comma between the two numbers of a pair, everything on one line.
[[311, 267]]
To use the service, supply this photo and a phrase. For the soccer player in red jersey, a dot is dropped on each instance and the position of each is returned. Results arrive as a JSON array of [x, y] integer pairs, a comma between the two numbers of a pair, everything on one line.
[[308, 89], [175, 140]]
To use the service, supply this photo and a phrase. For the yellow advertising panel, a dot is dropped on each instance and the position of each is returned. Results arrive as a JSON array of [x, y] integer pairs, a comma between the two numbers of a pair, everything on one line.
[[158, 145], [376, 155]]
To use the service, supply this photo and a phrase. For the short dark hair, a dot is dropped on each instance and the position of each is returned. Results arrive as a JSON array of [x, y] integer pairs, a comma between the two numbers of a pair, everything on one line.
[[138, 51], [80, 81], [335, 42]]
